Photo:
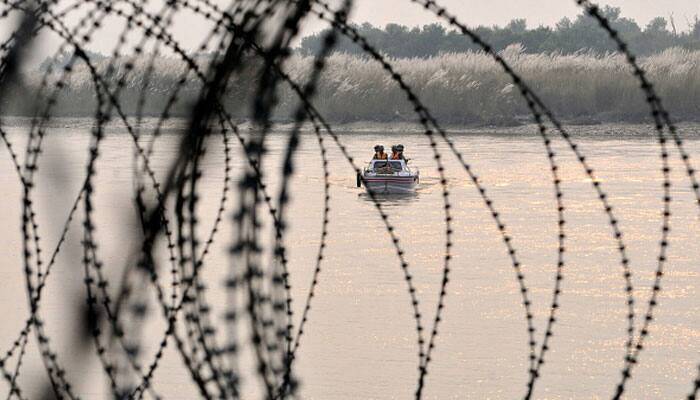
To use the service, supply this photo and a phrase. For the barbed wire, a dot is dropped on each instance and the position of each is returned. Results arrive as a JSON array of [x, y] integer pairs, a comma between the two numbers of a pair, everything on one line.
[[249, 34]]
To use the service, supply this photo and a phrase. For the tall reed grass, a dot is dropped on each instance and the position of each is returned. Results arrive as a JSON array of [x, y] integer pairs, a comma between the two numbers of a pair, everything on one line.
[[459, 88]]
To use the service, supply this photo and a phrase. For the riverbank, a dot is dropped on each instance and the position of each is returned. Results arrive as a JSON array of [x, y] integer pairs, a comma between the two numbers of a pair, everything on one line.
[[179, 125], [461, 89]]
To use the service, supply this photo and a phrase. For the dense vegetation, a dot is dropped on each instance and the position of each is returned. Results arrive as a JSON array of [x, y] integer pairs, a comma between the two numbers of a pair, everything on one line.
[[459, 88], [572, 66], [566, 37]]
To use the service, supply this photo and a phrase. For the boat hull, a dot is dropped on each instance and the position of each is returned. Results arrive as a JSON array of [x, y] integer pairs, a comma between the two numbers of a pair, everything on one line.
[[393, 184]]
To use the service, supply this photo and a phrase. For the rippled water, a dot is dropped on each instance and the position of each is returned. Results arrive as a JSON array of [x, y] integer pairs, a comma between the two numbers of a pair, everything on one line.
[[361, 340]]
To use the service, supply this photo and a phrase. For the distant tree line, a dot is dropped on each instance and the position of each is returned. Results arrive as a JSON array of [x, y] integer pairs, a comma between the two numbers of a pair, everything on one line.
[[565, 37]]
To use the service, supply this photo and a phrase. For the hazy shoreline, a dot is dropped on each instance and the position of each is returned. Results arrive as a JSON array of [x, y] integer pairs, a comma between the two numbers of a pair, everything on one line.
[[178, 125], [460, 89]]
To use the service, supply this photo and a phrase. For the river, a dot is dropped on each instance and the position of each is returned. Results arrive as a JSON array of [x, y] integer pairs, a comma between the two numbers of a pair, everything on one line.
[[360, 341]]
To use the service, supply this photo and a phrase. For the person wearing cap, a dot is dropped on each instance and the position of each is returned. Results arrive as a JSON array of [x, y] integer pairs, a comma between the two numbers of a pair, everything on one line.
[[379, 153], [397, 152], [394, 153]]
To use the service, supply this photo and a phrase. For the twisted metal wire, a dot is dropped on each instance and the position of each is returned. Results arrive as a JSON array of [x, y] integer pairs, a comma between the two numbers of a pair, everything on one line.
[[115, 323]]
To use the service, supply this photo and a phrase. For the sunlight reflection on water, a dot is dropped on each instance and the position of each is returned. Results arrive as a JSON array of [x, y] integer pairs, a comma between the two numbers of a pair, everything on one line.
[[360, 341]]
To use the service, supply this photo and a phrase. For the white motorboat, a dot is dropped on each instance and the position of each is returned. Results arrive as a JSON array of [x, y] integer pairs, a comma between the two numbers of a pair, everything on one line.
[[389, 176]]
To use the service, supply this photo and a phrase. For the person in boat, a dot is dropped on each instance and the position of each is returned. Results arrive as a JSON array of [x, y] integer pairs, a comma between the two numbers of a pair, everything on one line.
[[399, 149], [397, 152], [394, 153], [379, 153]]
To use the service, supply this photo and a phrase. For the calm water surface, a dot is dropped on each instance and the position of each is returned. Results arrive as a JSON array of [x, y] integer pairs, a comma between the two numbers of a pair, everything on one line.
[[361, 340]]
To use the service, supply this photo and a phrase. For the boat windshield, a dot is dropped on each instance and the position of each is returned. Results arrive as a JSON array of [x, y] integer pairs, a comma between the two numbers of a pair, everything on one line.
[[396, 166], [387, 166]]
